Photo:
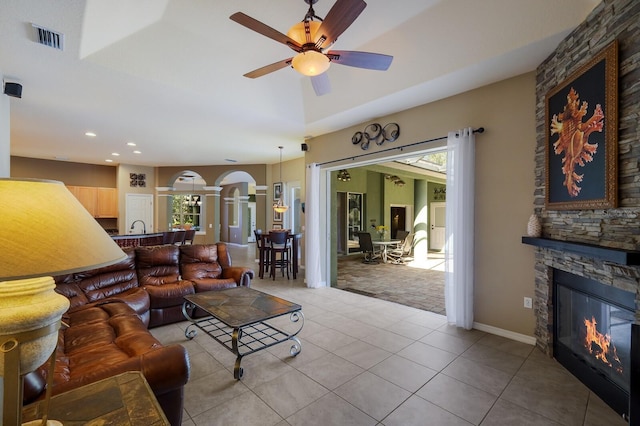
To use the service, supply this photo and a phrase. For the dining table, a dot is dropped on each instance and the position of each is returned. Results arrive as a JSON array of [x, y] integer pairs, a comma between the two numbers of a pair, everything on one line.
[[294, 243], [384, 245]]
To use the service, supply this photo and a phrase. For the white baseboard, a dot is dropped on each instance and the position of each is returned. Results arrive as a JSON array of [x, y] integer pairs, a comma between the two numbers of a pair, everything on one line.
[[530, 340]]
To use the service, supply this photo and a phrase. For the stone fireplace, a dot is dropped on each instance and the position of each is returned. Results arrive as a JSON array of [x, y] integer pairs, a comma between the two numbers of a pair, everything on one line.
[[599, 246]]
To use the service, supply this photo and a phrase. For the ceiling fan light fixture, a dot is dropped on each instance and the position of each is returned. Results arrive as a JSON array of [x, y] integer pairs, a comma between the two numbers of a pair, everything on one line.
[[310, 63], [298, 32]]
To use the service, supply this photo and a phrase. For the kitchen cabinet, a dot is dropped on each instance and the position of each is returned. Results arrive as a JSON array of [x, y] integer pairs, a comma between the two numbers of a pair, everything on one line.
[[99, 202], [107, 202]]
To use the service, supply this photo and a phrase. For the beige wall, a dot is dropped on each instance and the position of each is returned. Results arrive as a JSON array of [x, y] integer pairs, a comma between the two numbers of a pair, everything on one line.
[[76, 174], [504, 271], [124, 188]]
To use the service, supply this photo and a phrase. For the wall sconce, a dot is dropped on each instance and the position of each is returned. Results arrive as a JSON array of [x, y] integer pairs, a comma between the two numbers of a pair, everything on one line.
[[395, 180], [344, 176]]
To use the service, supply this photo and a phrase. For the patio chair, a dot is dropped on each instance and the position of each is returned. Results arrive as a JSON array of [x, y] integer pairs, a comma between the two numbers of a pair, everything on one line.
[[401, 254], [366, 247], [401, 235]]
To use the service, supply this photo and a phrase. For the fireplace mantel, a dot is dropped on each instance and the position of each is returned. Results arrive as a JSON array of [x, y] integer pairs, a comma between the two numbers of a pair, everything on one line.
[[615, 255]]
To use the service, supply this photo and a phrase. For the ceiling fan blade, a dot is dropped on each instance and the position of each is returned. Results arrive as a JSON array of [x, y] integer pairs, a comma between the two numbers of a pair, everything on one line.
[[265, 30], [268, 68], [321, 84], [372, 61], [339, 18]]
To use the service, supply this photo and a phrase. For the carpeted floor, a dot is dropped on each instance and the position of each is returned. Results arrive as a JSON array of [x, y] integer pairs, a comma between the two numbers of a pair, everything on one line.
[[420, 286]]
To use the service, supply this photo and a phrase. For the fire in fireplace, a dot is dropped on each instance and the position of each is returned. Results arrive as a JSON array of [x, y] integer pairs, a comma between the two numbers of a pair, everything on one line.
[[599, 345], [592, 335]]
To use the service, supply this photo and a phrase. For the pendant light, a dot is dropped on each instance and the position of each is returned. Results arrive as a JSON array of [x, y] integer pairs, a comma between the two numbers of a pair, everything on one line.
[[278, 206]]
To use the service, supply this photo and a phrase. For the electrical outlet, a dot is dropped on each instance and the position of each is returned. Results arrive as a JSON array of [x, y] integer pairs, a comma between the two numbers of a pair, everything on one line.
[[528, 303]]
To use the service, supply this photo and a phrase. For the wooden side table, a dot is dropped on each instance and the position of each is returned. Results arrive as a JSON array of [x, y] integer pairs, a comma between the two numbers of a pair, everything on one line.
[[125, 399]]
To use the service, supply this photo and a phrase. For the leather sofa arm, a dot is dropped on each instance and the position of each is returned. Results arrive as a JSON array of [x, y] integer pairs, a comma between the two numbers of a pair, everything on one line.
[[241, 275], [167, 368]]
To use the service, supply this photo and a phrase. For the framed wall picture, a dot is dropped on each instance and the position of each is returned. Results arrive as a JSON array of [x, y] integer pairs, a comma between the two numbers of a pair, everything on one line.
[[277, 226], [582, 137], [277, 191], [277, 216]]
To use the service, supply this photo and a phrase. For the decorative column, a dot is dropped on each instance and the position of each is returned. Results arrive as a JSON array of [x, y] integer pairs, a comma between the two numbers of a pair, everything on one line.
[[163, 208], [261, 207], [226, 212], [212, 220], [245, 220], [420, 222]]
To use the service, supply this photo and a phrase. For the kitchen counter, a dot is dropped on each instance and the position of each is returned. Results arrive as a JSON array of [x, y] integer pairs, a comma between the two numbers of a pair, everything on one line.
[[134, 240]]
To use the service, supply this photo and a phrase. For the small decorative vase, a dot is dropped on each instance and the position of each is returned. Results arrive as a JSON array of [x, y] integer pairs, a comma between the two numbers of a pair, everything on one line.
[[534, 229]]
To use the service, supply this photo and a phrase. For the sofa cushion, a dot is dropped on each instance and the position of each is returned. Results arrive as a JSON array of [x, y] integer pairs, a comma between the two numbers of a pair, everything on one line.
[[70, 289], [199, 261], [168, 295]]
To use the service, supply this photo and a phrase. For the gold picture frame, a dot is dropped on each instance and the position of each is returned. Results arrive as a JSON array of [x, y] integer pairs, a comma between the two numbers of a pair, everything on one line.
[[582, 136]]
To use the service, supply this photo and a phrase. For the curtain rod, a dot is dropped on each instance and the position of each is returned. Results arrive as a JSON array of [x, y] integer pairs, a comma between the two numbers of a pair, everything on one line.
[[478, 130]]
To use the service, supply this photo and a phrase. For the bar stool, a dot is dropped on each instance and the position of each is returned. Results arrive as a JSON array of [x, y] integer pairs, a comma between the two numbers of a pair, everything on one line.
[[168, 237], [179, 239], [189, 236], [279, 242]]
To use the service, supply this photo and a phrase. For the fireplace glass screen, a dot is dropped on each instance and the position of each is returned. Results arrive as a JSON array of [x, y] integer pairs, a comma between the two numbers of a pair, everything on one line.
[[597, 332], [592, 334]]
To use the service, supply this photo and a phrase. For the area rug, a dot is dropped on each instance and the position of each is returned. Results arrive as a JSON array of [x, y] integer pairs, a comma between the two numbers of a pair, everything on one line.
[[416, 287]]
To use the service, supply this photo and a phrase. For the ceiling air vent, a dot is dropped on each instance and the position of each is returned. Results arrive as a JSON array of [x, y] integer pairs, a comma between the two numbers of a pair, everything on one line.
[[48, 38]]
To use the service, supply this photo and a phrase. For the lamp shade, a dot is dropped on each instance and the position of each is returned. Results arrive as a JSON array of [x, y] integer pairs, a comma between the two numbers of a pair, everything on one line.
[[46, 231], [310, 63], [299, 33]]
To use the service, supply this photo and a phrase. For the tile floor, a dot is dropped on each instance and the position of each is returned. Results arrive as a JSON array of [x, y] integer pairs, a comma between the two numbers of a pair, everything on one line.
[[366, 361]]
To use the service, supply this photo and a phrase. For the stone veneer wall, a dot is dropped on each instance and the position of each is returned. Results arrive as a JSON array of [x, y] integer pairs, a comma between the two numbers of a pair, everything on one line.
[[620, 227]]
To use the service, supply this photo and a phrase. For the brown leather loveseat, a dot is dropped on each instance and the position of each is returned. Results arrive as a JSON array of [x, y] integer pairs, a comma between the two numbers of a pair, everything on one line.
[[105, 330]]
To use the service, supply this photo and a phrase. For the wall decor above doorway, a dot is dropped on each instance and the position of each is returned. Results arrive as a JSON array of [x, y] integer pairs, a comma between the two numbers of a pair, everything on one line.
[[376, 133]]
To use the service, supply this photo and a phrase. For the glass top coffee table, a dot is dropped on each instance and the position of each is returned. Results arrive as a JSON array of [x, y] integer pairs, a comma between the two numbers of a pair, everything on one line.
[[237, 320]]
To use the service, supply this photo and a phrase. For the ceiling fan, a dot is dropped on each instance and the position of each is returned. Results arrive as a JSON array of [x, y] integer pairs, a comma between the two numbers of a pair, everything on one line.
[[311, 38]]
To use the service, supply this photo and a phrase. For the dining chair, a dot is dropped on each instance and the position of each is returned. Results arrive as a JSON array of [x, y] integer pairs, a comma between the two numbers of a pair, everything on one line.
[[264, 252], [366, 247], [280, 252]]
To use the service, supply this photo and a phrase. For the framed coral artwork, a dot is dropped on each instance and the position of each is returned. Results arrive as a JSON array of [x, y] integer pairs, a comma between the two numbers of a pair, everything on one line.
[[582, 137]]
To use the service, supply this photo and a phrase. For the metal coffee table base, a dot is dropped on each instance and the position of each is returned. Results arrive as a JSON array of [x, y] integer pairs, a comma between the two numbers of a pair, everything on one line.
[[244, 340]]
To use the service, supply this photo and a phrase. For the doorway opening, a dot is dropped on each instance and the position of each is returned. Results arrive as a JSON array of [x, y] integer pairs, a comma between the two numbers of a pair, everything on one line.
[[395, 194]]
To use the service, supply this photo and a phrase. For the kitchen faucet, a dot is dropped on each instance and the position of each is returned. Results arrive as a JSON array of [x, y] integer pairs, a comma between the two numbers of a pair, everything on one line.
[[144, 226]]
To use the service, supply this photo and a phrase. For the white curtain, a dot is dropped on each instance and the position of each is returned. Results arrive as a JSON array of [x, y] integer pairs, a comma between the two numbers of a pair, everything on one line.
[[313, 272], [459, 228]]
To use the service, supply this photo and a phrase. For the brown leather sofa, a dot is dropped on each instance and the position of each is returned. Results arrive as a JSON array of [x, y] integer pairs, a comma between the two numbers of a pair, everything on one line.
[[105, 330], [159, 275]]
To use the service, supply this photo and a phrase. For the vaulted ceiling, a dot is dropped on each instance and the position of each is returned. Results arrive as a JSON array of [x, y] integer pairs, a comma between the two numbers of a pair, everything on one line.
[[167, 75]]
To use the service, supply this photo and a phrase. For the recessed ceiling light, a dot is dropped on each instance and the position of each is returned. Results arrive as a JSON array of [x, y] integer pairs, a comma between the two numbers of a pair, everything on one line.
[[90, 134], [131, 143], [137, 152], [115, 154], [109, 160]]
